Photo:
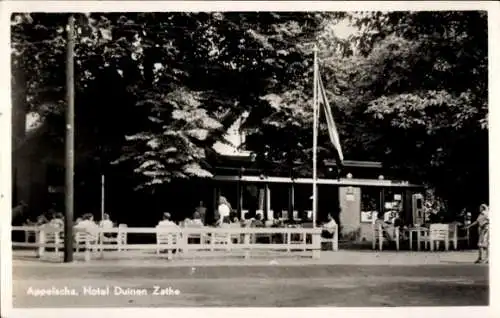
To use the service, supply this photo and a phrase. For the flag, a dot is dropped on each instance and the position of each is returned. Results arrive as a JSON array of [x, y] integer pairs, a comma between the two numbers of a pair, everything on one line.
[[332, 128]]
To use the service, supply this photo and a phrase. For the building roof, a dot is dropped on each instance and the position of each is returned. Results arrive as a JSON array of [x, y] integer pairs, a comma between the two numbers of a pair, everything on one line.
[[339, 182]]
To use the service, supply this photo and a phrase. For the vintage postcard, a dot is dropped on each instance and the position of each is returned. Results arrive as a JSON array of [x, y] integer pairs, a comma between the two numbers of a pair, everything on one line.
[[237, 156]]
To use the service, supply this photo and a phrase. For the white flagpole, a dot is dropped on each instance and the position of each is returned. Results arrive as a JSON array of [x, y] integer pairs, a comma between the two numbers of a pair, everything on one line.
[[315, 137]]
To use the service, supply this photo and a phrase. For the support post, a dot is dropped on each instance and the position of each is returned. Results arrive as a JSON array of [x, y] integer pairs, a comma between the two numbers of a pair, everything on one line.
[[70, 123]]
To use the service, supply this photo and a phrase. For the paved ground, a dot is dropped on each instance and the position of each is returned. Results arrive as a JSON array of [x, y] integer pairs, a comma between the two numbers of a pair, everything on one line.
[[337, 279]]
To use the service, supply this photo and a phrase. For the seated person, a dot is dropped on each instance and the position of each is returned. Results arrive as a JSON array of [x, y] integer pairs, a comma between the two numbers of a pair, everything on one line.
[[387, 228], [78, 221], [87, 221], [278, 223], [247, 220], [196, 221], [41, 220], [329, 228], [88, 224], [233, 217], [258, 221], [187, 222], [166, 221], [57, 220], [106, 223]]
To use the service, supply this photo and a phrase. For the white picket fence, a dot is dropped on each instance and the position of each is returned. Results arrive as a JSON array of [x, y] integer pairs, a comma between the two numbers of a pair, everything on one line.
[[182, 240]]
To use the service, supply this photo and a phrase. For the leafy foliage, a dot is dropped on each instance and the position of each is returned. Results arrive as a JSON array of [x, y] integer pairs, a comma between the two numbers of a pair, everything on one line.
[[408, 89], [177, 80], [428, 97]]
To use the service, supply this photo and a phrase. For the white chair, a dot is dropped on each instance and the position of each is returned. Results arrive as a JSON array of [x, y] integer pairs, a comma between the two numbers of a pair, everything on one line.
[[457, 234], [54, 236], [166, 238], [194, 236], [378, 236], [82, 237], [80, 240], [221, 238], [122, 237], [235, 238], [439, 233], [422, 234]]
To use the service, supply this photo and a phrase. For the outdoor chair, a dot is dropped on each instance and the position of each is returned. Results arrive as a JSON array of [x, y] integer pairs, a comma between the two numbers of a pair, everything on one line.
[[122, 237], [196, 238], [166, 236], [458, 234], [82, 238], [221, 238], [52, 236], [379, 237], [235, 238], [439, 233], [107, 238]]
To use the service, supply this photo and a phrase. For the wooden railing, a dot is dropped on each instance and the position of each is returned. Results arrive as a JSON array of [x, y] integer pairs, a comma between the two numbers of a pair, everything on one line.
[[183, 240]]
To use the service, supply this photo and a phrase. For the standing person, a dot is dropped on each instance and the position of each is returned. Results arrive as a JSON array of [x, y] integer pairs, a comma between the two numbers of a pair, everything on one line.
[[483, 223], [202, 211], [224, 210]]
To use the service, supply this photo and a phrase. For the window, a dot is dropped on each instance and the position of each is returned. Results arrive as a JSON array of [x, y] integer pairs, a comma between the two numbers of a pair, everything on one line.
[[370, 204]]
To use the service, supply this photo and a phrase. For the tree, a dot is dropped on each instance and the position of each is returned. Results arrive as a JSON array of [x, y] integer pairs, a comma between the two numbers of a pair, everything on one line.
[[408, 89], [428, 97], [182, 79]]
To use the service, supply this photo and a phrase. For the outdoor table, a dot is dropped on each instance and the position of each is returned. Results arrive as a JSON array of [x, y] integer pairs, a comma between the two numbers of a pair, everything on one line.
[[420, 231]]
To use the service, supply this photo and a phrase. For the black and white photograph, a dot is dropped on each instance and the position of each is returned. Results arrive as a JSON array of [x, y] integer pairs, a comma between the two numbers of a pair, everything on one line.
[[248, 158]]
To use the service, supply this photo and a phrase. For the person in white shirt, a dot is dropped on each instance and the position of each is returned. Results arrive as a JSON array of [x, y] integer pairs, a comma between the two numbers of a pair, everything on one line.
[[197, 221], [106, 223], [78, 221], [167, 221], [168, 226], [87, 222], [224, 210], [57, 220]]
